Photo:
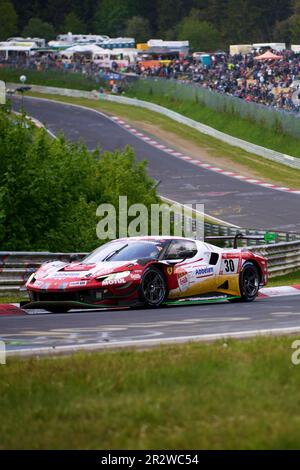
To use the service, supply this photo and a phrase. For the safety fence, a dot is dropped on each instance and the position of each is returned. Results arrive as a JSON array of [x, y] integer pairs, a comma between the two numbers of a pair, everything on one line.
[[272, 155], [16, 267], [283, 258], [279, 120]]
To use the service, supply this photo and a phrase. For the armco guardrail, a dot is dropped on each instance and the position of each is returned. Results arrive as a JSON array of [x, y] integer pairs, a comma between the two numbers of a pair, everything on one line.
[[16, 267], [278, 157], [282, 258]]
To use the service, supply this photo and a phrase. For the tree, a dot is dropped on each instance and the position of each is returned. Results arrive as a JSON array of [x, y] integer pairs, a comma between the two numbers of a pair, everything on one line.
[[73, 24], [138, 28], [38, 28], [240, 25], [8, 20], [110, 17], [282, 31], [202, 35], [168, 12], [289, 30], [50, 189]]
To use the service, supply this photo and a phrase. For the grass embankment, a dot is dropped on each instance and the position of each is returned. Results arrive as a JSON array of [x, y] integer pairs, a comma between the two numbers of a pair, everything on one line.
[[229, 123], [216, 396], [191, 141], [76, 81], [286, 280]]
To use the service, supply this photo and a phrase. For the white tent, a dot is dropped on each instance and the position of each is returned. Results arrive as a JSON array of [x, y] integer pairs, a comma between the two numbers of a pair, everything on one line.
[[84, 48]]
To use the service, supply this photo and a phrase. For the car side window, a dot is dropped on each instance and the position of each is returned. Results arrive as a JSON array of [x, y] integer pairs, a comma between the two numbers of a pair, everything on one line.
[[177, 246]]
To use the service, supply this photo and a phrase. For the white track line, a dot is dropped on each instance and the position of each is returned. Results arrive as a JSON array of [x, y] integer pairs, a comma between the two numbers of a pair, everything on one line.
[[141, 344]]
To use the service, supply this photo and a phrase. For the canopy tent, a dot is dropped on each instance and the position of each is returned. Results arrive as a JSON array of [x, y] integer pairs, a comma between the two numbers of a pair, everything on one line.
[[84, 48], [268, 56]]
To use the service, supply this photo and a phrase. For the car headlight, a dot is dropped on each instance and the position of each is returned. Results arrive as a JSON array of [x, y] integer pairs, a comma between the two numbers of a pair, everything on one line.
[[31, 278], [116, 276]]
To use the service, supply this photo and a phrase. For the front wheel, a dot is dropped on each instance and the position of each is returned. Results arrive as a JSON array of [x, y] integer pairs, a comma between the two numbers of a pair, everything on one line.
[[249, 282], [153, 288]]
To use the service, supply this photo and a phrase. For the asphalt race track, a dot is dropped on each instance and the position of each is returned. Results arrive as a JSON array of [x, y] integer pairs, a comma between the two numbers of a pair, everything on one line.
[[241, 203], [142, 325]]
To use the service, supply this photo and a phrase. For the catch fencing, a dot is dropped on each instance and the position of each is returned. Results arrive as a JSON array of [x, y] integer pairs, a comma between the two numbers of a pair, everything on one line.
[[274, 118]]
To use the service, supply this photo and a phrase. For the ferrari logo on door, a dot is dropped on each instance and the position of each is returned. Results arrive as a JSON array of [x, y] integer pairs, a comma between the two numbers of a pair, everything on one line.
[[170, 271]]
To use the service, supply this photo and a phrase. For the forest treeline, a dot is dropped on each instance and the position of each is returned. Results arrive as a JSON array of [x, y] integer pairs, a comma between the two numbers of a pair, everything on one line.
[[208, 24]]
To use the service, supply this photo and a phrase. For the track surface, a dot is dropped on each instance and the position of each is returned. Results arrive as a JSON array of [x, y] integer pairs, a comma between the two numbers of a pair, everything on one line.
[[238, 202], [36, 331]]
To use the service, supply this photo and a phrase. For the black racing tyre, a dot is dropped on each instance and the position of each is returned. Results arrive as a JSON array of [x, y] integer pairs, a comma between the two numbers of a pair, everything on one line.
[[153, 288], [249, 283]]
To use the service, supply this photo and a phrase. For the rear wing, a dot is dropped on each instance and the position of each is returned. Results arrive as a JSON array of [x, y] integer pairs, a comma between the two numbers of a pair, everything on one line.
[[237, 237]]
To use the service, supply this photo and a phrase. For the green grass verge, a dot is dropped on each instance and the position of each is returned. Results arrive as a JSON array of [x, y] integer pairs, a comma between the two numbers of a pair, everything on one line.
[[76, 81], [240, 395], [286, 280], [227, 155], [12, 298], [229, 123]]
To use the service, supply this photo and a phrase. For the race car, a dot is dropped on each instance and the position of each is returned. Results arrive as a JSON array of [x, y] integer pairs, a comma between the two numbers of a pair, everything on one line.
[[147, 271]]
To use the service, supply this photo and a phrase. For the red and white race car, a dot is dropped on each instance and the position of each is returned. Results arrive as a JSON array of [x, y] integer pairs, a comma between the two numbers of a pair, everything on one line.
[[147, 271]]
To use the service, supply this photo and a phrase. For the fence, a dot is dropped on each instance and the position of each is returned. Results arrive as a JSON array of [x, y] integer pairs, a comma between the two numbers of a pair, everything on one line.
[[16, 267], [282, 258], [273, 118]]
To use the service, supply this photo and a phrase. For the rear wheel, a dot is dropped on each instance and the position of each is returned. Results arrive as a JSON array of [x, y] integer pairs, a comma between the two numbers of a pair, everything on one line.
[[153, 288], [249, 282]]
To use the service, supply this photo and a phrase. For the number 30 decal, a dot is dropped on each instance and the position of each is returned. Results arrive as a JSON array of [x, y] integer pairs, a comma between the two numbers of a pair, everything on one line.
[[230, 266]]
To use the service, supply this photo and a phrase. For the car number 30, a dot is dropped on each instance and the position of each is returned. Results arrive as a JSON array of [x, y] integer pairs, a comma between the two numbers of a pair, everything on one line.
[[230, 266]]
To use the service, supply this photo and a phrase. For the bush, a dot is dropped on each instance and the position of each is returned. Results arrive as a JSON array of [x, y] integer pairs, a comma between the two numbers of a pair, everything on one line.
[[50, 189]]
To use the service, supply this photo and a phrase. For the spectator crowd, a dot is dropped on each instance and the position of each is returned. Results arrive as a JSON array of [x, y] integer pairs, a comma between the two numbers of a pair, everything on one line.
[[272, 83]]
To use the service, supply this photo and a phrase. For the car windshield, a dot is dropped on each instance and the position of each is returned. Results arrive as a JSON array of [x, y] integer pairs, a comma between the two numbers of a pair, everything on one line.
[[126, 251]]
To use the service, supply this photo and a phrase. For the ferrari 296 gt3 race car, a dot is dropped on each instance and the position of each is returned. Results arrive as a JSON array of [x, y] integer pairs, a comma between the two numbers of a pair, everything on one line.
[[147, 271]]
